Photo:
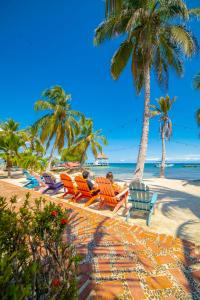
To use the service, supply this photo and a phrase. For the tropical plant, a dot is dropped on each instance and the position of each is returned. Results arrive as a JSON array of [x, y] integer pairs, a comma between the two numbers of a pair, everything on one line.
[[35, 261], [11, 139], [30, 161], [59, 124], [88, 138], [196, 82], [153, 40], [34, 141], [162, 110]]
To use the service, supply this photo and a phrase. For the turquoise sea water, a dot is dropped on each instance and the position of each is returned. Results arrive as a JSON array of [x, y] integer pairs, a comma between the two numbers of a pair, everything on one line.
[[124, 171]]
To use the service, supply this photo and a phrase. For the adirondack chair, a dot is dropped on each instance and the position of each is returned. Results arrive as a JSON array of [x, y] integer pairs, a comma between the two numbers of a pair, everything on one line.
[[32, 182], [108, 196], [27, 175], [52, 185], [69, 187], [141, 199], [83, 191]]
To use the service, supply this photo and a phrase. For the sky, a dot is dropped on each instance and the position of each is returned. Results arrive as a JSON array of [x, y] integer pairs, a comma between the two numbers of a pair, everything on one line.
[[46, 43]]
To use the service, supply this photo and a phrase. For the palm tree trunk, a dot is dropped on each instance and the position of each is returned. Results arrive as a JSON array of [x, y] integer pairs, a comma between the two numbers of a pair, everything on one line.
[[162, 167], [145, 130], [8, 167], [51, 158], [82, 160]]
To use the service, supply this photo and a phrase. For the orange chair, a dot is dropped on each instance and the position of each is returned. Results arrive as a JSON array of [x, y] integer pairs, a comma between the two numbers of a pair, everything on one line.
[[83, 191], [68, 185], [108, 196]]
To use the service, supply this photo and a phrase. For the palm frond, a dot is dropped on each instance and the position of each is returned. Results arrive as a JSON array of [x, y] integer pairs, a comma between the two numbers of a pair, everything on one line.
[[184, 39], [196, 81], [198, 116], [120, 59]]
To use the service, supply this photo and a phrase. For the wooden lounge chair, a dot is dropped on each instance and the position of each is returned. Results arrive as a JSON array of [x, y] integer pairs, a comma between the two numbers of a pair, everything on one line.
[[32, 181], [141, 199], [83, 191], [69, 187], [108, 196], [52, 185]]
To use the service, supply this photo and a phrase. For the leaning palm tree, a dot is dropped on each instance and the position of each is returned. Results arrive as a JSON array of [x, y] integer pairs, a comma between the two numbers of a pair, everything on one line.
[[162, 110], [59, 124], [152, 40], [88, 138]]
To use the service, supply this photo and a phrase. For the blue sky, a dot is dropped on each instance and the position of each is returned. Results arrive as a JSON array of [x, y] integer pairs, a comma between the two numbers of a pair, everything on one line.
[[45, 43]]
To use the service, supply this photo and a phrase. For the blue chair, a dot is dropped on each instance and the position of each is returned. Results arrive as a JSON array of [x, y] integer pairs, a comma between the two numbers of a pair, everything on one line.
[[32, 181], [141, 199]]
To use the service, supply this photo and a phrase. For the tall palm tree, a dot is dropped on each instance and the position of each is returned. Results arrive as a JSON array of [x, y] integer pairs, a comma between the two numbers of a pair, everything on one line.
[[88, 138], [153, 40], [11, 139], [196, 82], [59, 124], [163, 108]]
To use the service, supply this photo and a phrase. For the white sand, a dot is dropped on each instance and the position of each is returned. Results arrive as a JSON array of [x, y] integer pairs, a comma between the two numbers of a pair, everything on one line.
[[177, 210]]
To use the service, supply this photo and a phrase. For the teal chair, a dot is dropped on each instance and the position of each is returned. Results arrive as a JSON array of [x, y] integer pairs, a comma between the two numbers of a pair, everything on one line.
[[141, 199]]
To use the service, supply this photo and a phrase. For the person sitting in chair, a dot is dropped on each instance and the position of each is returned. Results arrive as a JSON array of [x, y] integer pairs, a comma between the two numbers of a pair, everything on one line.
[[117, 188], [86, 176]]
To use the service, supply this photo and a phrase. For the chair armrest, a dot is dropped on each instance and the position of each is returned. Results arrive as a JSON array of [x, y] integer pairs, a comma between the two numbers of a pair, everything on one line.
[[154, 198], [122, 193]]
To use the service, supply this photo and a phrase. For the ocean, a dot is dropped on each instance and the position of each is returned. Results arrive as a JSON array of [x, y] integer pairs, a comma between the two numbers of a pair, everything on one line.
[[125, 171]]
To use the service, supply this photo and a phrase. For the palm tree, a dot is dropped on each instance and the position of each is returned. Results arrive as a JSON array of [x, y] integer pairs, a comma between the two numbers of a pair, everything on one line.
[[31, 161], [196, 82], [153, 40], [34, 141], [11, 139], [163, 108], [59, 124], [88, 138]]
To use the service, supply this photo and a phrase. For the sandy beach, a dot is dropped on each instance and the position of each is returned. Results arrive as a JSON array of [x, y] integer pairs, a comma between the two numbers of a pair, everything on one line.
[[177, 211]]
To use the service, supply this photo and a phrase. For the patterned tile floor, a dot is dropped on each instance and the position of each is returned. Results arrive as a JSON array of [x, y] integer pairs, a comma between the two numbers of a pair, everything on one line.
[[125, 262]]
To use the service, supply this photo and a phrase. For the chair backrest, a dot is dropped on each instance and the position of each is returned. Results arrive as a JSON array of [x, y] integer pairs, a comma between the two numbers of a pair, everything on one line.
[[107, 193], [27, 174], [138, 186], [68, 183], [139, 195], [48, 179], [82, 186]]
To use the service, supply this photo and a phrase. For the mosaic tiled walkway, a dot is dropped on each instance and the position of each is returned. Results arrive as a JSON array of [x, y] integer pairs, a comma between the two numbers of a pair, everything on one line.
[[126, 262]]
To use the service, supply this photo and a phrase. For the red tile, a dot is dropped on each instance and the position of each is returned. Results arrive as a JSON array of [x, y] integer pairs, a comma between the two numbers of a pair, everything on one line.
[[180, 277], [165, 259], [158, 282], [134, 286]]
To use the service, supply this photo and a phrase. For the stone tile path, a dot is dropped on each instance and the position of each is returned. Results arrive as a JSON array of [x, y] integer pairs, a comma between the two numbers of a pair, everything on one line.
[[125, 262]]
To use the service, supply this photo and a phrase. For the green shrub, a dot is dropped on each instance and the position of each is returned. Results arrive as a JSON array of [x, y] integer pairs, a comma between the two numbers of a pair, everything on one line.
[[36, 262]]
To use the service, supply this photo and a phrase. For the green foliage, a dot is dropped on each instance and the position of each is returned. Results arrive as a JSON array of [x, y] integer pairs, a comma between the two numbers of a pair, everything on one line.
[[162, 110], [198, 117], [73, 154], [11, 140], [60, 121], [196, 81], [88, 137], [30, 161], [35, 261], [153, 35]]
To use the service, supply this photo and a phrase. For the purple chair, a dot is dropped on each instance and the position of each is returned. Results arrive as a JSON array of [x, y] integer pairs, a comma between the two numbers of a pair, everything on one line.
[[52, 184]]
